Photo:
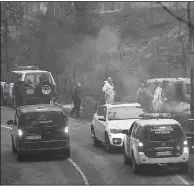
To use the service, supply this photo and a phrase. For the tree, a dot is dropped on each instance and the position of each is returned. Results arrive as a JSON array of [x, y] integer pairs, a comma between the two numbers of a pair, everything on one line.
[[11, 14]]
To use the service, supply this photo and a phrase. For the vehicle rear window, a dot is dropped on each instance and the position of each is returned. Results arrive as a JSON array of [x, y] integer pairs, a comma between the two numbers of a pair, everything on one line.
[[164, 133], [124, 112], [38, 119], [35, 78]]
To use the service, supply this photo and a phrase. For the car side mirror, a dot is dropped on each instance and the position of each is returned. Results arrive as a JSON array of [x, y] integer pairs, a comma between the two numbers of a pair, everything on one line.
[[10, 122], [101, 118]]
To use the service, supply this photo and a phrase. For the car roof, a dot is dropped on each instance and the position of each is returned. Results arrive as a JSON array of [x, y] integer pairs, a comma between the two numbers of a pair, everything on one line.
[[132, 104], [186, 80], [156, 122], [39, 108], [29, 71]]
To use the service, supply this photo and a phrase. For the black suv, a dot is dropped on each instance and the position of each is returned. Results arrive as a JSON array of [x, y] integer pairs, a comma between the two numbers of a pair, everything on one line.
[[40, 128]]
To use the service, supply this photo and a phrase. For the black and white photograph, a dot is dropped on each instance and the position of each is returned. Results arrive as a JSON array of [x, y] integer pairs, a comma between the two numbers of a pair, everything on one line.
[[97, 93]]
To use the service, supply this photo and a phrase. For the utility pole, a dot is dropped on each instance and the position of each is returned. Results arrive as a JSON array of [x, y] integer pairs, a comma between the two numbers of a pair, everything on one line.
[[190, 8]]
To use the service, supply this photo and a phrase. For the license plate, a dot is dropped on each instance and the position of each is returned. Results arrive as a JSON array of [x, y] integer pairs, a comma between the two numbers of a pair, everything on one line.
[[166, 153], [30, 91], [36, 137]]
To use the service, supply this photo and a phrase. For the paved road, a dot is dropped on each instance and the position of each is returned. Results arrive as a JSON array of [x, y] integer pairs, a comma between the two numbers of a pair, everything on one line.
[[92, 164]]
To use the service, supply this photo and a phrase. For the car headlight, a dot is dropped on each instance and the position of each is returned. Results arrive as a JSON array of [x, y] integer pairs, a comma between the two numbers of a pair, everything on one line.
[[185, 149], [66, 130], [185, 142], [115, 131], [20, 133], [140, 144]]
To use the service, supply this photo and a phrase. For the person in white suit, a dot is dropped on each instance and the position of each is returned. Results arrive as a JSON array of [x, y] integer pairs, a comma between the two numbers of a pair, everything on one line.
[[108, 90], [158, 98]]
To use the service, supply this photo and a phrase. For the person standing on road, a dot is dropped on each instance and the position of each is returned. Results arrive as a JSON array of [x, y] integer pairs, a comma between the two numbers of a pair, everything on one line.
[[76, 98], [19, 91], [144, 97], [108, 90], [158, 97]]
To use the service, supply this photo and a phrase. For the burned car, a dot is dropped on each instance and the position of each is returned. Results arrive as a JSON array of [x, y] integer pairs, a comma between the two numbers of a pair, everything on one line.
[[175, 95], [39, 128]]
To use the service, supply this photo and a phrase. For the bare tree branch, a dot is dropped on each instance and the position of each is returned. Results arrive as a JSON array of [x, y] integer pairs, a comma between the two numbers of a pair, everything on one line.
[[176, 16]]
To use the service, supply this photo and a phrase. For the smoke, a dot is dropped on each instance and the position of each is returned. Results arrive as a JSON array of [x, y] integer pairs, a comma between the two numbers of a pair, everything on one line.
[[179, 108], [93, 59]]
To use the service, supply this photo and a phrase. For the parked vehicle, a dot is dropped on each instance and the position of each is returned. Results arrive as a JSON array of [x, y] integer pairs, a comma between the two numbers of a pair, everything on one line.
[[177, 91], [155, 139], [40, 128], [110, 120], [30, 75]]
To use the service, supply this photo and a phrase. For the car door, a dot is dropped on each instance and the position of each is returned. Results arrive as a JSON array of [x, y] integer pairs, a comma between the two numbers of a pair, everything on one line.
[[134, 140], [131, 139], [96, 122], [103, 124]]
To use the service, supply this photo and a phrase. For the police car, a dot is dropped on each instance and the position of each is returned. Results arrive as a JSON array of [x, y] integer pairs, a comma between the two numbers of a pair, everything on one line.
[[155, 139], [30, 75]]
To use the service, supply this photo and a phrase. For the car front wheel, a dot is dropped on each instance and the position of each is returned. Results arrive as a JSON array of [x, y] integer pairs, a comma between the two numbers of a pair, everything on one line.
[[20, 157], [126, 159], [184, 167], [13, 146], [93, 138], [135, 167], [108, 146]]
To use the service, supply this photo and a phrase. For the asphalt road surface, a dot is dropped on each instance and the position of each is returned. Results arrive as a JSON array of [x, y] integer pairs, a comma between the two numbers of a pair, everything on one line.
[[87, 165]]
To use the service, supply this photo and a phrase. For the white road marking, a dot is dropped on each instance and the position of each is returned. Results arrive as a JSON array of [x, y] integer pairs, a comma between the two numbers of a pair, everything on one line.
[[6, 127], [79, 170], [182, 179], [71, 161]]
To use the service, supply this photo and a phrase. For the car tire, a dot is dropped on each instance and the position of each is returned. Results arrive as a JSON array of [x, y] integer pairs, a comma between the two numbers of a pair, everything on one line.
[[108, 146], [20, 157], [13, 146], [66, 153], [135, 167], [95, 141], [184, 168], [126, 159]]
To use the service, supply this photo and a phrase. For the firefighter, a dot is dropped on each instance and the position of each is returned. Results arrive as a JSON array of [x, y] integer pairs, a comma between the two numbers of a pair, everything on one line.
[[76, 98], [19, 91]]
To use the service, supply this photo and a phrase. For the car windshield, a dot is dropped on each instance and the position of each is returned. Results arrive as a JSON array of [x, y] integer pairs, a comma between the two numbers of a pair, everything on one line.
[[36, 119], [124, 112], [35, 78], [164, 133]]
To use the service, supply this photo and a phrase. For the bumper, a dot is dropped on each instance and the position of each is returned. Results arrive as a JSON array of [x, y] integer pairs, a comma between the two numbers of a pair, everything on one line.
[[44, 146], [142, 159], [116, 140]]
